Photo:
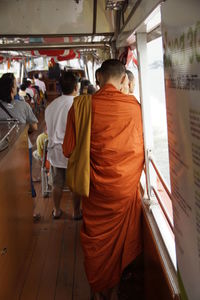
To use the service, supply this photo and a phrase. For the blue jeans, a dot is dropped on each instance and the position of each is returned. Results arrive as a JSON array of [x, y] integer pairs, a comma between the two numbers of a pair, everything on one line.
[[33, 192]]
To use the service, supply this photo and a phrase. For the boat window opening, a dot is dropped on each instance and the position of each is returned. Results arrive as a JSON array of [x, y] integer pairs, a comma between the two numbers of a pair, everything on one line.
[[158, 157], [157, 100], [76, 63], [10, 66], [157, 192]]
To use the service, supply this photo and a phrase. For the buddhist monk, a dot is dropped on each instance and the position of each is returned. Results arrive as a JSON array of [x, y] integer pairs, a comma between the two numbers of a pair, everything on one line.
[[111, 230], [131, 83], [98, 78], [125, 86]]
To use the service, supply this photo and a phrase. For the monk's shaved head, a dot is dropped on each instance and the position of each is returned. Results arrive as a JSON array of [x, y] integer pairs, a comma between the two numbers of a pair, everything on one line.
[[130, 75], [131, 79], [112, 68], [98, 77]]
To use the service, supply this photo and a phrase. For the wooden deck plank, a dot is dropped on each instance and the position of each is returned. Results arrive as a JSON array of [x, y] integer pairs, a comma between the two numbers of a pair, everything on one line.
[[43, 233], [51, 263], [25, 268], [64, 286], [81, 289], [52, 273]]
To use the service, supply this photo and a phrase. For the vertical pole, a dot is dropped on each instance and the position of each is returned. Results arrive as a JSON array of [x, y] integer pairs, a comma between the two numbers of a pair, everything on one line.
[[22, 73]]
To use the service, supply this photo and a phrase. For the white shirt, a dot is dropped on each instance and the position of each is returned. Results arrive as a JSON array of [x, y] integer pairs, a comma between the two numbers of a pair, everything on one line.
[[56, 120], [30, 92], [40, 84]]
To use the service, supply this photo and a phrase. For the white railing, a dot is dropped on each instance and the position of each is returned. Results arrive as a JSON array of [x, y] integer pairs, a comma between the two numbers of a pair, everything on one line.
[[156, 193]]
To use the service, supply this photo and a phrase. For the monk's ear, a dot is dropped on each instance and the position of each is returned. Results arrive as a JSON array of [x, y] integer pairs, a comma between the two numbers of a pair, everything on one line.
[[76, 88], [122, 79]]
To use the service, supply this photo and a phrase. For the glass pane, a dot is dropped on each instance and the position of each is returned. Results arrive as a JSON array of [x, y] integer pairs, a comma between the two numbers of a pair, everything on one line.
[[156, 91]]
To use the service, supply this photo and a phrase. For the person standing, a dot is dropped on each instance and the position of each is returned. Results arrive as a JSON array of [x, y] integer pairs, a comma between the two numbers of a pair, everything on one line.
[[111, 232], [56, 119], [131, 83]]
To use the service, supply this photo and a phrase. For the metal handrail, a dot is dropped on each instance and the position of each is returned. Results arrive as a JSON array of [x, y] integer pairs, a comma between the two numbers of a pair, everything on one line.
[[7, 134], [169, 219], [160, 177], [166, 188]]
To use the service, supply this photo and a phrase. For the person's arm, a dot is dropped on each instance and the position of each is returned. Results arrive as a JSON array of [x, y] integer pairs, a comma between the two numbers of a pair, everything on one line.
[[69, 141], [31, 118], [33, 126]]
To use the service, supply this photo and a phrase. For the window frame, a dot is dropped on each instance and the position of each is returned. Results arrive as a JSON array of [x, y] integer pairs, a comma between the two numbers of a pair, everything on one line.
[[151, 197]]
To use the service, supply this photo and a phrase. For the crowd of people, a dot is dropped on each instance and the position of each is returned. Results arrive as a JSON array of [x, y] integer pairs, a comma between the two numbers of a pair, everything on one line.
[[95, 138]]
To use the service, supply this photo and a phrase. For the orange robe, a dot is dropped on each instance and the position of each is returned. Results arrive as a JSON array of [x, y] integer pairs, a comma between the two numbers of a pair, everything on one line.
[[111, 230]]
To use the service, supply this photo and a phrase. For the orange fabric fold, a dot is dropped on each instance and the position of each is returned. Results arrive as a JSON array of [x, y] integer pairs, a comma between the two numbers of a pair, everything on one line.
[[111, 231]]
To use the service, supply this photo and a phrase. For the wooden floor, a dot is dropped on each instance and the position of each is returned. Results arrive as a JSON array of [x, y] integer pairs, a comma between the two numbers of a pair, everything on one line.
[[54, 269]]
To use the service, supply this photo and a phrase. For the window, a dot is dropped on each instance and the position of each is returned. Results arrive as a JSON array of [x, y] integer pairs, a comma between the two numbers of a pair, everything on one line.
[[151, 75], [159, 159], [156, 92]]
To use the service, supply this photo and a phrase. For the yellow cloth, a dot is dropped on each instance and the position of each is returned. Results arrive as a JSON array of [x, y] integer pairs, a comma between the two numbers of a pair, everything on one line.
[[78, 169], [40, 143]]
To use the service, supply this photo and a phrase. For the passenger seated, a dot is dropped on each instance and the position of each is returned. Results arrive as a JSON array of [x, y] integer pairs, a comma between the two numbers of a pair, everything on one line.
[[18, 110]]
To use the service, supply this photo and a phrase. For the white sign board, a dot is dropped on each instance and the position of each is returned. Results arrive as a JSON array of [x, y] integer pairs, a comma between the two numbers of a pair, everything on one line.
[[181, 41]]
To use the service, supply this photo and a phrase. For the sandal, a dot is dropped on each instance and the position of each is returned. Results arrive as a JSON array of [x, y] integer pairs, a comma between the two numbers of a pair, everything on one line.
[[56, 217], [36, 218], [78, 218]]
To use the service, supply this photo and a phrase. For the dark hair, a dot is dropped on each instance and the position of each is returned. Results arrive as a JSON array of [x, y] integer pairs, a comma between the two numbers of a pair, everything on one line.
[[130, 75], [23, 87], [91, 89], [112, 68], [28, 83], [35, 75], [54, 72], [97, 72], [6, 86], [68, 82], [84, 84]]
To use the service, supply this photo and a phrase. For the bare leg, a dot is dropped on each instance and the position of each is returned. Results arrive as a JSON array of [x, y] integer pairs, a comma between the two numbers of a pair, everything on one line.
[[114, 293], [96, 296], [57, 195], [76, 204], [110, 294], [36, 216]]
